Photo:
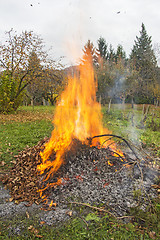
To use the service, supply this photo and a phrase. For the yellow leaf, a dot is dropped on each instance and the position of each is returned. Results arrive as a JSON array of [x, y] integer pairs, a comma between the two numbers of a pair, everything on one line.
[[69, 213], [27, 214], [30, 227]]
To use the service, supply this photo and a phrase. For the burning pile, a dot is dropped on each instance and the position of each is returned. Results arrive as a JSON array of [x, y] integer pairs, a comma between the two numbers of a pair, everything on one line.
[[78, 116], [89, 174], [73, 161]]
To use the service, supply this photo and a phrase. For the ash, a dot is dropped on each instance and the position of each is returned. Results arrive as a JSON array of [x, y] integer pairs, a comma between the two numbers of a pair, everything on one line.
[[94, 176], [89, 175]]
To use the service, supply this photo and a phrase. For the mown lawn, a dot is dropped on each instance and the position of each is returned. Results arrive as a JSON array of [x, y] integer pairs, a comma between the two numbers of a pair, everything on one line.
[[28, 126]]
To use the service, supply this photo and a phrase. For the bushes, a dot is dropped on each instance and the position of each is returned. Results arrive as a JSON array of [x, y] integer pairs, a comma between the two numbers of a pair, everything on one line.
[[9, 102]]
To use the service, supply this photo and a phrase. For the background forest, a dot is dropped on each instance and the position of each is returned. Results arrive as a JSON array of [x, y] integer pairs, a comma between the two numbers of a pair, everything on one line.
[[29, 77]]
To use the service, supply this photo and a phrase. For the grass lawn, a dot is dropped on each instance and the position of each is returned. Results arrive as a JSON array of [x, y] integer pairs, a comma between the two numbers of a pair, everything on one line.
[[28, 126]]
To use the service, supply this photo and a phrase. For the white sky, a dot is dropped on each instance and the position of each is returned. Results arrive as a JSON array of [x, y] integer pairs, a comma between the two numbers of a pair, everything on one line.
[[66, 25]]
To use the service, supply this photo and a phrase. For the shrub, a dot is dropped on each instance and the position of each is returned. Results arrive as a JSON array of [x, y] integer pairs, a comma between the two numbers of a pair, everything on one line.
[[9, 102]]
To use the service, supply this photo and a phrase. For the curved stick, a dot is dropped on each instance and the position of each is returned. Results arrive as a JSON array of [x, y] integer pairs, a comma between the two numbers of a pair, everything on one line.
[[112, 135]]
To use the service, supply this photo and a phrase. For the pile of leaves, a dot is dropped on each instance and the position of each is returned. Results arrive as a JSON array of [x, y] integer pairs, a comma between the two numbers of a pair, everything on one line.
[[23, 179], [86, 170]]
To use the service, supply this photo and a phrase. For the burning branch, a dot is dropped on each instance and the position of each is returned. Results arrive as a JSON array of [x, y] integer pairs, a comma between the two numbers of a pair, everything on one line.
[[112, 135]]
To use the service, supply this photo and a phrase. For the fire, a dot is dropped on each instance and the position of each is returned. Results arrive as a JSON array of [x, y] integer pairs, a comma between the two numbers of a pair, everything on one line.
[[78, 115]]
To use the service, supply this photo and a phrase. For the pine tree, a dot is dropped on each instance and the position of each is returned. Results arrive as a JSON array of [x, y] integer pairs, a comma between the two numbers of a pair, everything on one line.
[[102, 48], [111, 54], [89, 52], [120, 53], [144, 61]]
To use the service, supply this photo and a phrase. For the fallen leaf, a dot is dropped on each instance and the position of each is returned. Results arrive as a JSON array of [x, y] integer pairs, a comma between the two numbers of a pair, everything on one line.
[[30, 227], [14, 162], [106, 184], [39, 236], [35, 231], [32, 184], [152, 235], [11, 199], [69, 213], [3, 163], [27, 214], [42, 222], [155, 186]]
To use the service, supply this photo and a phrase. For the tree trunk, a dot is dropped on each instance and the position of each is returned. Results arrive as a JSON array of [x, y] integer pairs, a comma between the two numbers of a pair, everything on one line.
[[44, 101], [32, 102], [143, 110], [157, 103], [123, 102], [132, 102], [109, 105]]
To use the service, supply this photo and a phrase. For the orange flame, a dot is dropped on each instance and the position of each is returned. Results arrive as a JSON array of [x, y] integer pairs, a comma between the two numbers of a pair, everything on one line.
[[78, 115]]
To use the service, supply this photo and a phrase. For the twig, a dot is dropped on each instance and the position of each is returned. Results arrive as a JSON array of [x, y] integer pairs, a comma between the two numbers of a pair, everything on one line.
[[117, 154], [143, 185], [106, 141], [96, 208], [141, 150], [84, 221], [100, 209], [112, 135], [124, 165]]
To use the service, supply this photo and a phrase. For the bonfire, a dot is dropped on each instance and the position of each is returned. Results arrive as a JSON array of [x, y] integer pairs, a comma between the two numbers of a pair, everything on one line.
[[81, 158]]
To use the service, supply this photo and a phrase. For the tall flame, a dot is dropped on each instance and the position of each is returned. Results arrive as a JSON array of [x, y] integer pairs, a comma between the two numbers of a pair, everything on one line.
[[78, 115]]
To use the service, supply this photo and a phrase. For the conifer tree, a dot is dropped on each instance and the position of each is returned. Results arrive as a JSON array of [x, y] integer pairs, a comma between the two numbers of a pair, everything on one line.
[[120, 53], [144, 61], [102, 48]]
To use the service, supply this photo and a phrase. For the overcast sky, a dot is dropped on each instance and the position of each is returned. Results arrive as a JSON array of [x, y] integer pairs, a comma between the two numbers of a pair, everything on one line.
[[66, 25]]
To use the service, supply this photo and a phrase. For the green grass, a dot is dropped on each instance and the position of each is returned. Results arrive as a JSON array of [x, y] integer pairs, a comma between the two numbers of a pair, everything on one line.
[[28, 126], [127, 123], [23, 129], [92, 225], [16, 136]]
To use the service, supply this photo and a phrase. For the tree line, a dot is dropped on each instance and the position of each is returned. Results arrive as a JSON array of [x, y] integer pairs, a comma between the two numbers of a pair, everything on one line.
[[135, 79], [29, 76]]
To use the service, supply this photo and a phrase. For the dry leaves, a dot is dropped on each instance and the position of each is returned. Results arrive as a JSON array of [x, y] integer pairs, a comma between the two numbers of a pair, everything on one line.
[[34, 231], [69, 213], [2, 163], [26, 116], [27, 214], [23, 179], [152, 235]]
